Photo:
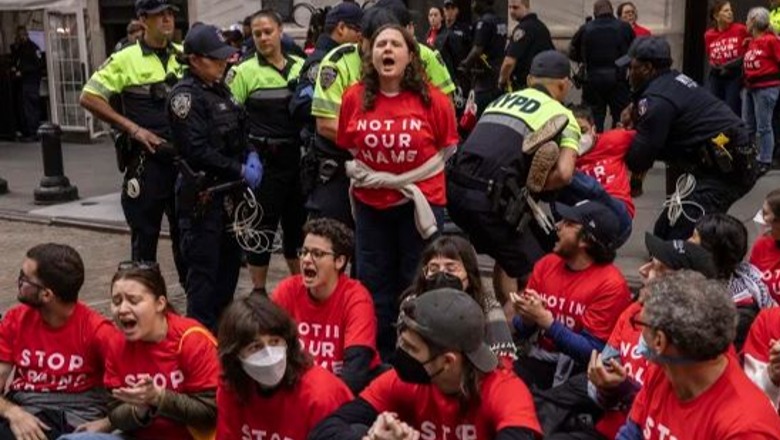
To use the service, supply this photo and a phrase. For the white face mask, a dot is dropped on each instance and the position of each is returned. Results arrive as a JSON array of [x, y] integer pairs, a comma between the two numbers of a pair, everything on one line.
[[586, 143], [266, 366], [762, 227]]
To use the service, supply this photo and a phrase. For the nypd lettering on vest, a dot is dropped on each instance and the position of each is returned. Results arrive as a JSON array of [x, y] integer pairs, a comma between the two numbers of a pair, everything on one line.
[[516, 102]]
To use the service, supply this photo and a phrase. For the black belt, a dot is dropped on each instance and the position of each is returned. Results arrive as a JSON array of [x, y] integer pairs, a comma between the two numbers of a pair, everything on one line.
[[471, 182], [264, 141]]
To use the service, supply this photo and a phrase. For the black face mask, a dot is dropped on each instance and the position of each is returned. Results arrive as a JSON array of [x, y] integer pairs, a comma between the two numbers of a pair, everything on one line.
[[409, 369], [441, 280]]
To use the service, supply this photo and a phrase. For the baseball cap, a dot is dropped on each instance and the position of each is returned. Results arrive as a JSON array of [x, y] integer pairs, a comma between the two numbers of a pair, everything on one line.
[[681, 254], [550, 64], [153, 6], [374, 19], [398, 8], [646, 48], [348, 12], [207, 40], [449, 3], [452, 320], [596, 219]]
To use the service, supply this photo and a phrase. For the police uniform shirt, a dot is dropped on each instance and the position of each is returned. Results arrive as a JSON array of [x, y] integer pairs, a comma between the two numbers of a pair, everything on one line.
[[600, 42], [27, 58], [265, 92], [528, 38], [342, 68], [138, 74], [490, 35], [206, 122], [300, 106], [676, 117], [453, 45]]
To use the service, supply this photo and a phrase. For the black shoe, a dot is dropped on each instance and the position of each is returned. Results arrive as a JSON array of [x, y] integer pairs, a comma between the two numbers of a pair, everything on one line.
[[763, 168]]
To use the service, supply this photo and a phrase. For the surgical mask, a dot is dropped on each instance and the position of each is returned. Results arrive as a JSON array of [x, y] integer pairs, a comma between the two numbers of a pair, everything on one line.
[[410, 370], [266, 366], [440, 280], [587, 141], [646, 352], [761, 227]]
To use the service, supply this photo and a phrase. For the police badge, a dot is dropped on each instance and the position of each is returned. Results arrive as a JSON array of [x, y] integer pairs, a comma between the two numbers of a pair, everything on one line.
[[518, 35], [180, 105], [642, 107], [328, 75], [312, 73]]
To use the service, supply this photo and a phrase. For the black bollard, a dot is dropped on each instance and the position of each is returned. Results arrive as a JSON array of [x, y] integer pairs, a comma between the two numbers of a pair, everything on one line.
[[54, 186], [3, 186]]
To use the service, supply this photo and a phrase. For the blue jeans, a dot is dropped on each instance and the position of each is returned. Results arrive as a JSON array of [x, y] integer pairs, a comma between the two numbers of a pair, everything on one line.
[[727, 89], [758, 106], [388, 250]]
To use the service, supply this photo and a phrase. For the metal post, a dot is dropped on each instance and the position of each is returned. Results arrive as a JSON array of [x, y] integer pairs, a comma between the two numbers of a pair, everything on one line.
[[54, 186], [3, 186]]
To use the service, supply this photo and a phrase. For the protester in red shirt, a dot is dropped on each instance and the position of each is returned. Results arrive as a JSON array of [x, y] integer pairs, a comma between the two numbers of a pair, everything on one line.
[[446, 383], [435, 19], [766, 250], [269, 387], [725, 44], [761, 354], [401, 130], [693, 388], [334, 313], [163, 373], [55, 346], [762, 84], [627, 12], [574, 296]]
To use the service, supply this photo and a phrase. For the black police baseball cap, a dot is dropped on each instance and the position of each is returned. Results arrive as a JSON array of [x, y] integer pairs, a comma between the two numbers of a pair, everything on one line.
[[348, 12], [681, 254], [153, 6], [646, 49], [596, 219], [207, 40], [374, 19], [551, 64], [399, 9], [452, 320]]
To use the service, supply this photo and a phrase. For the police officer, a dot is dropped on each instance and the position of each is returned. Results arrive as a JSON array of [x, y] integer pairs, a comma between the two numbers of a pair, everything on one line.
[[141, 75], [454, 44], [264, 83], [487, 180], [340, 69], [27, 68], [774, 15], [529, 37], [687, 127], [486, 55], [598, 44], [208, 129]]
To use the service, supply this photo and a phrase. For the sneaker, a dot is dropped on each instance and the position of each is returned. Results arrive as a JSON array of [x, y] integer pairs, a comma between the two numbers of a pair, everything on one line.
[[763, 168], [546, 133], [542, 163]]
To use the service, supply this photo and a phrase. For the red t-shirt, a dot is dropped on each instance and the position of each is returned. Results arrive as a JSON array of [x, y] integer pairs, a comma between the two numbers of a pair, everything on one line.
[[606, 163], [763, 331], [625, 339], [68, 359], [762, 62], [346, 319], [397, 136], [505, 402], [590, 299], [727, 45], [766, 257], [184, 362], [640, 31], [287, 414], [732, 408]]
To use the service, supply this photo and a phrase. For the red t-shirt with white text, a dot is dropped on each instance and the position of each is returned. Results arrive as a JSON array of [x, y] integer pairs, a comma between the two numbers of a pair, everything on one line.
[[762, 62], [398, 135], [184, 362], [727, 45], [606, 163], [766, 257], [505, 402], [326, 329], [68, 359], [287, 414], [732, 408], [764, 330], [590, 299]]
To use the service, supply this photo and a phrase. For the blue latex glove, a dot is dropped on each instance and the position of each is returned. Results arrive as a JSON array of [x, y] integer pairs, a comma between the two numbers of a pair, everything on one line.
[[253, 170]]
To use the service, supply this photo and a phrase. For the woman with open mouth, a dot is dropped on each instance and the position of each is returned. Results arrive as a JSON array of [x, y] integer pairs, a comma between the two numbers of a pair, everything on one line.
[[400, 130], [163, 372]]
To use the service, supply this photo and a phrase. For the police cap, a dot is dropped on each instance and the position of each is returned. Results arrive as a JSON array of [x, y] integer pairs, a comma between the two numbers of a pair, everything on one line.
[[551, 64], [153, 6], [647, 49], [207, 40], [347, 12]]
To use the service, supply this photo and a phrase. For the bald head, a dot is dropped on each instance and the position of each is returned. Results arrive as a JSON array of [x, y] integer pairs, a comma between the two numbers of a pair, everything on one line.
[[602, 7]]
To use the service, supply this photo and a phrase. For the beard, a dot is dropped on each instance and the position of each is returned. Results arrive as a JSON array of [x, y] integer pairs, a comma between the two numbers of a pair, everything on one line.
[[33, 300]]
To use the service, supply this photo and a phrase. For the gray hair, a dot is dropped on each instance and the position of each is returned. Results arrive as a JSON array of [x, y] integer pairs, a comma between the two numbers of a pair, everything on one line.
[[759, 19], [696, 314]]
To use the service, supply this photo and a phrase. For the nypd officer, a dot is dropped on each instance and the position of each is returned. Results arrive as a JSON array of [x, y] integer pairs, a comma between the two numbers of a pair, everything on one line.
[[208, 131], [487, 179], [264, 83], [687, 127], [527, 39], [137, 79], [487, 53]]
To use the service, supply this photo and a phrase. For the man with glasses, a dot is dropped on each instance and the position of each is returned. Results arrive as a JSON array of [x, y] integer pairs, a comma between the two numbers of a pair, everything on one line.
[[574, 296], [335, 314], [55, 346]]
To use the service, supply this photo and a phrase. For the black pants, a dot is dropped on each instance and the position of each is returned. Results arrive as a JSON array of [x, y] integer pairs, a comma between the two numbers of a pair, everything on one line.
[[599, 96], [31, 104], [52, 418], [144, 213], [331, 200], [213, 259]]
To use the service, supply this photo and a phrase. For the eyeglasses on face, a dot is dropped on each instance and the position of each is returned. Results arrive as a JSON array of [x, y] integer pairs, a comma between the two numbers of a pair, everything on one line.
[[315, 253], [637, 323], [23, 280]]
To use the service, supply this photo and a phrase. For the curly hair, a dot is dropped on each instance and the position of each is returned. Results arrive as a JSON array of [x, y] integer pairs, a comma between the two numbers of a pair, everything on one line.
[[414, 79], [340, 236], [243, 321]]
